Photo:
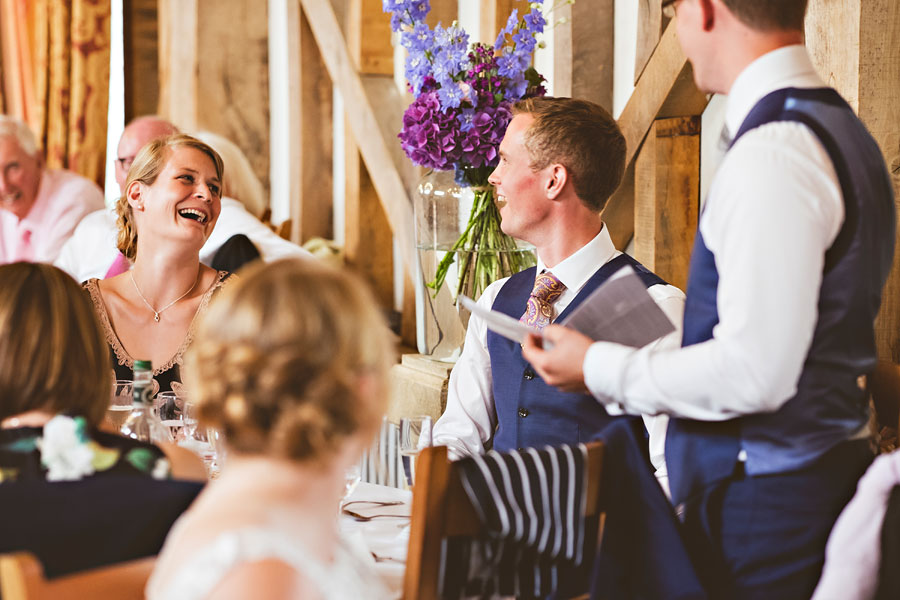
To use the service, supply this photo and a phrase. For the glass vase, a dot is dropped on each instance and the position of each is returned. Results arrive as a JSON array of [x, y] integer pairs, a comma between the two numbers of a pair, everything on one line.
[[460, 250]]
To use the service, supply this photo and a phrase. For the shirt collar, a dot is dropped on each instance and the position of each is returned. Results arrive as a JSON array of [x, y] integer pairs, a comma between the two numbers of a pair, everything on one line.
[[577, 268], [789, 66], [37, 215]]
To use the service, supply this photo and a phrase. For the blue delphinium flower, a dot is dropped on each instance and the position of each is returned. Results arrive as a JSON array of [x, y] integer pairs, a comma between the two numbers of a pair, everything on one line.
[[405, 12]]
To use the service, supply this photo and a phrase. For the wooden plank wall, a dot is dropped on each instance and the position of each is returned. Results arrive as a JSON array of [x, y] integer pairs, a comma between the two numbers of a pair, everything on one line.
[[214, 74], [667, 197], [583, 51]]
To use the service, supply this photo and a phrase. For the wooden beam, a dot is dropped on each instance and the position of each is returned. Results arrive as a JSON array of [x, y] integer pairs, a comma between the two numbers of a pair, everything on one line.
[[368, 244], [312, 209], [493, 17], [375, 148], [444, 12], [618, 216], [140, 21], [583, 51], [376, 52], [667, 197], [665, 88], [367, 233], [649, 30], [178, 62]]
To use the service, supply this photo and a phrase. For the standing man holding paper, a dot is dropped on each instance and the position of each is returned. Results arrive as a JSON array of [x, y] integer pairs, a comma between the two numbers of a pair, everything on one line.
[[560, 161], [768, 435]]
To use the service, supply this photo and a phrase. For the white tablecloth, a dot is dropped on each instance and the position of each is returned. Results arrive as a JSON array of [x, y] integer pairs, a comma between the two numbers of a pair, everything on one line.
[[383, 537]]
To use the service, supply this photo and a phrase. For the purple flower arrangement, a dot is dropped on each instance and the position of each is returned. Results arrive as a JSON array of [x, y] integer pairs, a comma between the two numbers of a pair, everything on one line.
[[463, 94]]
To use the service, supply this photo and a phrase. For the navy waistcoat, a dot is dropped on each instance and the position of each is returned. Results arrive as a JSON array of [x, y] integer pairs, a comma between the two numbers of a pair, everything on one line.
[[828, 407], [531, 413]]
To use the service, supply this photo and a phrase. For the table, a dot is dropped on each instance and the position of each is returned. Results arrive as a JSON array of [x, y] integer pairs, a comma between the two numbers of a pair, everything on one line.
[[382, 539]]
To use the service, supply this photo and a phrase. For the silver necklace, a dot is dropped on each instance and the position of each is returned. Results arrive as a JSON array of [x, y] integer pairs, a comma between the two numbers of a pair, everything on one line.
[[156, 313]]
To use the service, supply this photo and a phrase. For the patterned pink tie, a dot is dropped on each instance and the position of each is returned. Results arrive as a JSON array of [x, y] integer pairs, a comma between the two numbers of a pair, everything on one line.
[[539, 309]]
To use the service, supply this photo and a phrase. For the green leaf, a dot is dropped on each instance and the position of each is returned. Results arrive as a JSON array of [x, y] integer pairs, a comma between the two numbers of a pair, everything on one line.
[[24, 445], [104, 458], [141, 459]]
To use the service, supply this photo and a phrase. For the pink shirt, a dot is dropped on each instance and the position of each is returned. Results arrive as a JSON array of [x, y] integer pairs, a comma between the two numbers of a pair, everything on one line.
[[63, 199]]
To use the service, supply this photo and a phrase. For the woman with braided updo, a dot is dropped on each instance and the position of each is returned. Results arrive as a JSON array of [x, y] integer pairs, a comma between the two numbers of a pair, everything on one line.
[[290, 364]]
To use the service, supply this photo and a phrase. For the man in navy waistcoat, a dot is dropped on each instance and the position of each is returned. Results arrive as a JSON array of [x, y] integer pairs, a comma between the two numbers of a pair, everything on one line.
[[767, 435], [560, 161]]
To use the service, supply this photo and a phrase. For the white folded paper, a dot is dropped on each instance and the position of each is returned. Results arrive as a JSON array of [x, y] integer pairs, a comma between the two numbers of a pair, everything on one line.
[[620, 310]]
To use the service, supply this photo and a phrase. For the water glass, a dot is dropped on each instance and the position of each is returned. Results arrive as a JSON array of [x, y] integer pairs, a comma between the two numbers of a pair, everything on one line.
[[169, 405], [415, 434]]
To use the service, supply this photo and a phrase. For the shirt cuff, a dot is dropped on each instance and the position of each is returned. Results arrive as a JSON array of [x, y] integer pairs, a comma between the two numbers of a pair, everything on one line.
[[603, 365]]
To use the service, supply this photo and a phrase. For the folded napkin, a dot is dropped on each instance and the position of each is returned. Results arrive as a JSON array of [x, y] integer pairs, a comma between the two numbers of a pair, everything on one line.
[[369, 499]]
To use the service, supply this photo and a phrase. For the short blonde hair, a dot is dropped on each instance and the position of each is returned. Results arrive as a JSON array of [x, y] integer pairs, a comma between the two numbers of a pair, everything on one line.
[[147, 166], [279, 360], [53, 355]]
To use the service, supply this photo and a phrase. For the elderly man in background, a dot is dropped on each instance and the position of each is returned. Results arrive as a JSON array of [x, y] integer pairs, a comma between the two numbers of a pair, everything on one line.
[[91, 252], [40, 207]]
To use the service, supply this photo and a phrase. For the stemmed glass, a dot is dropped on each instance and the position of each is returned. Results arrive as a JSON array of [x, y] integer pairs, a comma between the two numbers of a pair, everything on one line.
[[415, 434], [120, 404]]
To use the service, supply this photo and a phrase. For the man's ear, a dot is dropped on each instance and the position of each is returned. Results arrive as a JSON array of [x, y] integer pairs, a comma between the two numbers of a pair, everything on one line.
[[556, 181], [135, 195]]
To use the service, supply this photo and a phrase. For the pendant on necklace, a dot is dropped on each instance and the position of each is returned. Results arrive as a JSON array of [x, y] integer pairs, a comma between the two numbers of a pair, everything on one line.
[[156, 316]]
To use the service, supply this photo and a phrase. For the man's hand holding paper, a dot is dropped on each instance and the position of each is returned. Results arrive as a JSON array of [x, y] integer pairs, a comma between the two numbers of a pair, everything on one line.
[[561, 365]]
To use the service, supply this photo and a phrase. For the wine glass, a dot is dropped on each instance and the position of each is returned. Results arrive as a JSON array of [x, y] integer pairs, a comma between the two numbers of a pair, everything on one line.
[[216, 457], [120, 404], [352, 477], [415, 434]]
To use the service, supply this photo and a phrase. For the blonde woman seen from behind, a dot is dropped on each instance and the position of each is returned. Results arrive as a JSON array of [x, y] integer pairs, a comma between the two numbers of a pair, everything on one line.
[[290, 364]]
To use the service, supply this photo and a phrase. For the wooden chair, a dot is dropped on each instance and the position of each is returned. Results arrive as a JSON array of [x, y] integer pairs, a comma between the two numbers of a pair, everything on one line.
[[22, 578], [441, 508]]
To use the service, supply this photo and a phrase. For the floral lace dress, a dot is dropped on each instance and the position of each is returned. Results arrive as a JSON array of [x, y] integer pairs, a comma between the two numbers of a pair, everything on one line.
[[66, 449], [123, 363]]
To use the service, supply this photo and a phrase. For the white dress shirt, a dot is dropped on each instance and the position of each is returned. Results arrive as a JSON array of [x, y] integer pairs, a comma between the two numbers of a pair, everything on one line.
[[469, 420], [92, 248], [774, 208], [63, 198]]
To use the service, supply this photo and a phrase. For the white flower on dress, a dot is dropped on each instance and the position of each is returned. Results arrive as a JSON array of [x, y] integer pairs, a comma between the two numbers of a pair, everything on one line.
[[64, 450]]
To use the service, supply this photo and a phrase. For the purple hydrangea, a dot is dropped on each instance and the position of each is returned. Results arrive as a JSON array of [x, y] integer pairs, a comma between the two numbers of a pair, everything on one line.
[[482, 139], [429, 134]]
